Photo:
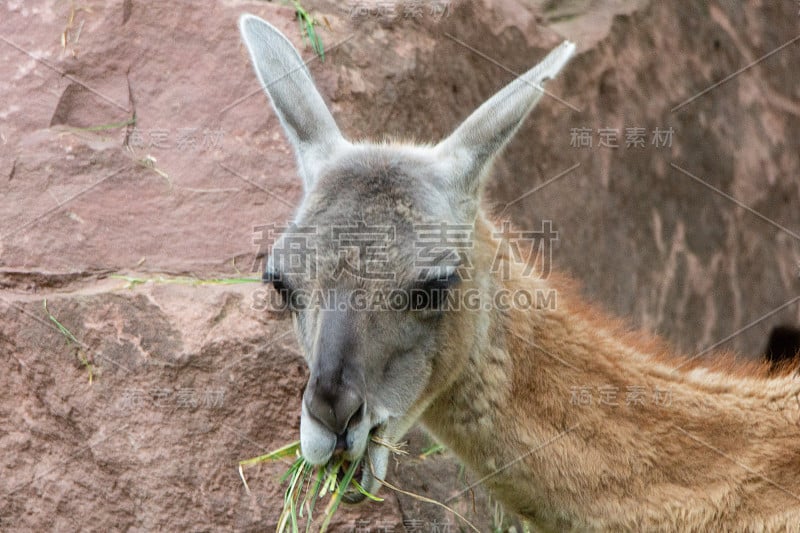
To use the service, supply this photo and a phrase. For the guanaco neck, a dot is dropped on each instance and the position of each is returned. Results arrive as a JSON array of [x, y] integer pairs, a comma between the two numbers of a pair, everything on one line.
[[573, 426]]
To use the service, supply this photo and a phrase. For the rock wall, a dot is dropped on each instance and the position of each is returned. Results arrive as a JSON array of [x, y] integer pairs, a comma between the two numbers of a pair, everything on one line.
[[135, 140]]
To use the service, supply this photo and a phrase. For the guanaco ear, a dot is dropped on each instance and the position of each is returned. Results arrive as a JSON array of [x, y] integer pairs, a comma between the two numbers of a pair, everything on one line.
[[472, 146], [300, 108]]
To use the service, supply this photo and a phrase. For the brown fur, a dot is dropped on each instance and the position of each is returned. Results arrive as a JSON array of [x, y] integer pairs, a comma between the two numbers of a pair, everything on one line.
[[723, 454]]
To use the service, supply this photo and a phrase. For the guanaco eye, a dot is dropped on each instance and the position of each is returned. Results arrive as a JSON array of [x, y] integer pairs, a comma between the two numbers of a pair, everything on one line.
[[431, 294], [278, 283]]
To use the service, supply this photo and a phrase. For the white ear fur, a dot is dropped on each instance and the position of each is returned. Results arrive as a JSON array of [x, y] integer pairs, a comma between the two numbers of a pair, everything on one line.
[[483, 134], [302, 111]]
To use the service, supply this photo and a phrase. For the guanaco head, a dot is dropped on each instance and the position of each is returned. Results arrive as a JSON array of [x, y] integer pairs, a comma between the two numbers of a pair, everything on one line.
[[366, 293]]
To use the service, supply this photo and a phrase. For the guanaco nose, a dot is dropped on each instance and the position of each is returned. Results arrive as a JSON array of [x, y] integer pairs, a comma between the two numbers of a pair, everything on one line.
[[335, 408], [334, 396]]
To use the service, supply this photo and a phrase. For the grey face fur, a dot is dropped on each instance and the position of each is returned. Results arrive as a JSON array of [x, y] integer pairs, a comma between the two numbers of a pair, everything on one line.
[[369, 367]]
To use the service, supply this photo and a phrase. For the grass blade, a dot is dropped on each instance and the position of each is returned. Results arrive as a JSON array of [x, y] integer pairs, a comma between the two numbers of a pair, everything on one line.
[[365, 492], [338, 494]]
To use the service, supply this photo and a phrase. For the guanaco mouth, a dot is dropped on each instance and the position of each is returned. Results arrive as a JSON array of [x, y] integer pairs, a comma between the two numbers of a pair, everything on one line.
[[363, 474]]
